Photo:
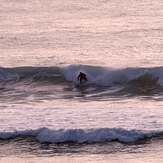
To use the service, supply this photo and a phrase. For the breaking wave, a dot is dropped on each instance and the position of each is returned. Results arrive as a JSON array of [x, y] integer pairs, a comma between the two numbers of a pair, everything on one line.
[[83, 135], [97, 75], [144, 81]]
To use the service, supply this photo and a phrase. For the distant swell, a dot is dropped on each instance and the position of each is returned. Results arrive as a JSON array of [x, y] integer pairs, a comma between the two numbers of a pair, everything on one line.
[[82, 136]]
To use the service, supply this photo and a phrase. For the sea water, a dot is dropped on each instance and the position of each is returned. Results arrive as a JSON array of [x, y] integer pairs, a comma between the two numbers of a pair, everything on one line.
[[46, 115]]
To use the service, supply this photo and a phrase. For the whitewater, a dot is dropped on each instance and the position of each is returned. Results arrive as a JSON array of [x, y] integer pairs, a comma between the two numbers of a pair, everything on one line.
[[47, 115]]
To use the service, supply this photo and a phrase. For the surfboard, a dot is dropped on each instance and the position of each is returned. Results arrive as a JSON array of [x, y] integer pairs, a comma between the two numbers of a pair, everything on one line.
[[84, 83]]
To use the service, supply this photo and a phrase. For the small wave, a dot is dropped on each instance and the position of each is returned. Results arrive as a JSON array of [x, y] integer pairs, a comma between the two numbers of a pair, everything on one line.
[[82, 135]]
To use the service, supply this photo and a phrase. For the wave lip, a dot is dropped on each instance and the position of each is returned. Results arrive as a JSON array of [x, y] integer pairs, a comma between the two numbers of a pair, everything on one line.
[[45, 135]]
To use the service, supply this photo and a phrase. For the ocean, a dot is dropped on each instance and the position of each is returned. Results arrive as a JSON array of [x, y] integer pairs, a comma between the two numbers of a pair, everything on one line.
[[47, 115]]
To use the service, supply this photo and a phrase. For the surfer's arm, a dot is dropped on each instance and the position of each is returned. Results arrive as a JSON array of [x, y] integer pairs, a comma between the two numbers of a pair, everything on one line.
[[78, 77], [85, 77]]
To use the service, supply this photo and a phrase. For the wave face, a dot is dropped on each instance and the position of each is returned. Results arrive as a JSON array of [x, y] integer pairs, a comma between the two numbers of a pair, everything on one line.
[[109, 76], [83, 136], [95, 75], [33, 73], [102, 81]]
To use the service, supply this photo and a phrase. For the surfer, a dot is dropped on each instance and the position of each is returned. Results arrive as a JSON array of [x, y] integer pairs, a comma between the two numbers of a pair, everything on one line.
[[81, 77]]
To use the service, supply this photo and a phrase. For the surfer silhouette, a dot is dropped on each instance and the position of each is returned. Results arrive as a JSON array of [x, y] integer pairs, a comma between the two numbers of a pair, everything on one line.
[[81, 77]]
